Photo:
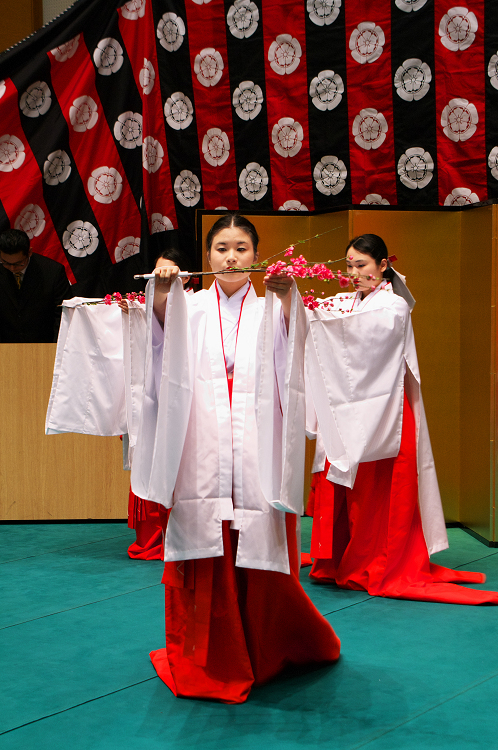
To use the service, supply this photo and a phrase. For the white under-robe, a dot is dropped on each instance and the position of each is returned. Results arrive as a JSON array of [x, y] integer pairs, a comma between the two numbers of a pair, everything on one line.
[[209, 462], [360, 357]]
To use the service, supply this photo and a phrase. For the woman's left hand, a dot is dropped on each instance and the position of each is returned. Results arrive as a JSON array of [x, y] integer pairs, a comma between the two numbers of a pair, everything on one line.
[[279, 284]]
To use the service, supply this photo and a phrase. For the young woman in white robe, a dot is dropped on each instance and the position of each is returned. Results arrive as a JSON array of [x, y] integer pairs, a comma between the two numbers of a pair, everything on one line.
[[228, 465], [375, 502]]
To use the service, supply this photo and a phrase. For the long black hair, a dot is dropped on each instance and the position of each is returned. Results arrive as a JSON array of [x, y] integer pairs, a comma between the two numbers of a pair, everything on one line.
[[233, 220], [375, 247]]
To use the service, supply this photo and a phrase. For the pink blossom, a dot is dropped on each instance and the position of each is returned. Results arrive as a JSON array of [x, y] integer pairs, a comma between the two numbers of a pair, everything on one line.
[[108, 299], [310, 302], [289, 250], [343, 281], [117, 296], [131, 296], [141, 298], [276, 268]]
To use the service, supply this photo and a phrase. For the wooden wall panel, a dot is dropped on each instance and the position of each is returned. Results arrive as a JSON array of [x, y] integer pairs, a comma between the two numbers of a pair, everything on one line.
[[57, 476], [19, 20]]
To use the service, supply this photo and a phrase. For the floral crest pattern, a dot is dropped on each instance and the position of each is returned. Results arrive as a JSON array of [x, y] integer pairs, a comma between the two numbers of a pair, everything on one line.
[[408, 5], [178, 111], [415, 168], [152, 154], [216, 147], [170, 32], [12, 153], [459, 120], [284, 54], [105, 184], [57, 167], [160, 223], [108, 56], [323, 12], [367, 42], [374, 199], [3, 88], [126, 247], [133, 9], [65, 51], [36, 100], [461, 197], [83, 114], [457, 29], [412, 80], [80, 239], [493, 162], [208, 67], [326, 90], [147, 77], [31, 220], [242, 18], [287, 136], [187, 188], [369, 129], [330, 175], [493, 71], [293, 205], [247, 100], [253, 182], [128, 129]]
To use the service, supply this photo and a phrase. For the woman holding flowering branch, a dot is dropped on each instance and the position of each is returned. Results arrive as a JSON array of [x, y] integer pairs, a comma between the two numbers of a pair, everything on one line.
[[375, 501], [221, 447]]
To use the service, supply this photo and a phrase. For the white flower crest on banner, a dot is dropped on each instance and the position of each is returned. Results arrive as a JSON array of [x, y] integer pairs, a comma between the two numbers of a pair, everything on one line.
[[147, 77], [408, 5], [369, 129], [493, 162], [128, 129], [3, 88], [208, 66], [461, 197], [80, 239], [36, 100], [108, 56], [412, 80], [284, 54], [221, 208], [457, 29], [293, 205], [133, 9], [65, 51], [152, 154], [459, 120], [201, 2], [247, 100], [287, 136], [367, 42], [171, 32], [253, 182], [160, 223], [178, 111], [493, 70], [374, 199], [323, 12], [216, 147], [105, 184], [127, 247], [187, 188], [330, 175], [83, 114], [57, 167], [415, 168], [31, 220], [326, 90], [242, 18], [12, 153]]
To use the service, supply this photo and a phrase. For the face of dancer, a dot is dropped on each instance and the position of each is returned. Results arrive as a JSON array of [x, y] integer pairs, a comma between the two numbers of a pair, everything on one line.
[[361, 265], [231, 248]]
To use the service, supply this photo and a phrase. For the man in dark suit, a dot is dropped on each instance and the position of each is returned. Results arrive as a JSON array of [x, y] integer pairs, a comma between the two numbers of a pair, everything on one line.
[[31, 289]]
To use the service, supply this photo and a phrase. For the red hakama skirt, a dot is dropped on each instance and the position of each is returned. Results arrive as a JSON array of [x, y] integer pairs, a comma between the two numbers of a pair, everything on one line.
[[370, 538], [149, 521]]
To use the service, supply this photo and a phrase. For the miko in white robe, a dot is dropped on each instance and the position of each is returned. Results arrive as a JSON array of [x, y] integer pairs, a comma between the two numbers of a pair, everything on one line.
[[225, 456], [375, 498]]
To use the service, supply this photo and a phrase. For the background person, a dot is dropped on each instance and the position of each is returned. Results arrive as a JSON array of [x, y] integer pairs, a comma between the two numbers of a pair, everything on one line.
[[32, 288]]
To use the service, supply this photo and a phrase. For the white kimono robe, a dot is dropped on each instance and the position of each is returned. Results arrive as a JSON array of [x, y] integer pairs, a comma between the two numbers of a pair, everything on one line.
[[360, 356], [209, 462]]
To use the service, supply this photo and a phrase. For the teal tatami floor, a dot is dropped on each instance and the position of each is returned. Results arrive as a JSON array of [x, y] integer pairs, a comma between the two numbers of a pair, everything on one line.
[[78, 619]]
